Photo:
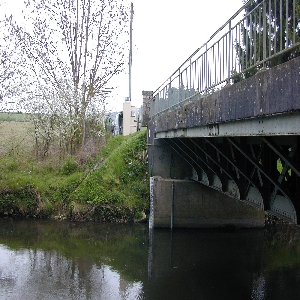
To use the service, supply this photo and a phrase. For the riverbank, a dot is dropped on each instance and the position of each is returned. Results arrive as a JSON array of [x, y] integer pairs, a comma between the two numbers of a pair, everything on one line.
[[111, 187]]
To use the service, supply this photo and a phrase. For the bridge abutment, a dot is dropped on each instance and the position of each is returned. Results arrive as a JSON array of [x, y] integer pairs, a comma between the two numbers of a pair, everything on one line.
[[179, 201], [190, 204], [166, 163]]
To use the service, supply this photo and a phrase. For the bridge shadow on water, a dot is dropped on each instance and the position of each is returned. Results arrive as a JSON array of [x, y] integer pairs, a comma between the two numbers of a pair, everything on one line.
[[224, 264], [207, 264]]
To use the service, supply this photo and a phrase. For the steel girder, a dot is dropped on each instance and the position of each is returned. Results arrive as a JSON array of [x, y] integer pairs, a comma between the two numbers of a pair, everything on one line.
[[262, 171]]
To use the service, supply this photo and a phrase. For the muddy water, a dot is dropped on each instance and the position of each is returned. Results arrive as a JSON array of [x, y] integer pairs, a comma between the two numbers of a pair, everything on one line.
[[66, 260]]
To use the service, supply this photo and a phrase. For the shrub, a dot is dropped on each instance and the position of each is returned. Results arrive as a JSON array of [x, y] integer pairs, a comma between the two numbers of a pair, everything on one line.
[[69, 167]]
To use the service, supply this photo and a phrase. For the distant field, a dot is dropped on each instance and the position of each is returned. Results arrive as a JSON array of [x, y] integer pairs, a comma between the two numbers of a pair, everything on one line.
[[17, 117], [15, 136]]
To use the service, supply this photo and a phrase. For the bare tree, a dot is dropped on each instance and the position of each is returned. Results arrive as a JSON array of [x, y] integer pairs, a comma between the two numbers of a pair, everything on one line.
[[73, 49]]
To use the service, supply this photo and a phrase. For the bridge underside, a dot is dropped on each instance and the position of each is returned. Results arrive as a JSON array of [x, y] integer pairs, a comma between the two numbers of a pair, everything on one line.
[[263, 171], [242, 141]]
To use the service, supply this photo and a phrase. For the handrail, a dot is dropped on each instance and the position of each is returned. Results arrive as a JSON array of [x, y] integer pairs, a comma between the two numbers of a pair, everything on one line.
[[247, 42]]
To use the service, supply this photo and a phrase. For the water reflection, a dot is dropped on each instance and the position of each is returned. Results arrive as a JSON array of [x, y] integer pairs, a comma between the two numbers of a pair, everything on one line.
[[29, 274], [52, 260], [64, 260]]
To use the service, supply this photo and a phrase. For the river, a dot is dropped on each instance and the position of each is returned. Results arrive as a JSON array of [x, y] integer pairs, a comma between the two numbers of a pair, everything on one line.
[[43, 259]]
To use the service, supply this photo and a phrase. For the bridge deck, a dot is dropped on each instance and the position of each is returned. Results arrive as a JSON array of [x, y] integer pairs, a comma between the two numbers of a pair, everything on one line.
[[265, 104]]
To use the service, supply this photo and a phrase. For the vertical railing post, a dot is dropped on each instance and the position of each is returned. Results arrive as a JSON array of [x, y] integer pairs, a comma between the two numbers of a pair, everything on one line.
[[206, 68], [251, 39], [229, 52], [294, 21], [179, 83], [190, 79], [170, 97], [280, 26], [287, 23], [269, 35], [275, 31], [264, 33]]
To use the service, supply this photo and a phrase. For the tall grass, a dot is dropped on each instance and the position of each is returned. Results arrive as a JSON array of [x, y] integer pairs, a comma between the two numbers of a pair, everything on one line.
[[111, 187], [15, 138]]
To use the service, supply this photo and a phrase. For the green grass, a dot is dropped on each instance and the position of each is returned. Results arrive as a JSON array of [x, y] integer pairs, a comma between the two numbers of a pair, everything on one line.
[[12, 116], [117, 190], [121, 180]]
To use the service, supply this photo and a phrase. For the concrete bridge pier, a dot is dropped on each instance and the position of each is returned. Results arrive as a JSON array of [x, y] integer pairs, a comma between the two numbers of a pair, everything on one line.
[[179, 201]]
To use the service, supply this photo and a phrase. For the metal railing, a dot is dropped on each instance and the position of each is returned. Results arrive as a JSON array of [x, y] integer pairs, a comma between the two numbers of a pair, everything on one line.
[[261, 34]]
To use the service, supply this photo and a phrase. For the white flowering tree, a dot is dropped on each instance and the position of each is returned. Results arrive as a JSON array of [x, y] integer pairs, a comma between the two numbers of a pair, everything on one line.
[[72, 48]]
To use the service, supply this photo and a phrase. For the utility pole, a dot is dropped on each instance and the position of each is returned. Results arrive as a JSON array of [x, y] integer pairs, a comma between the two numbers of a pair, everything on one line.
[[130, 50]]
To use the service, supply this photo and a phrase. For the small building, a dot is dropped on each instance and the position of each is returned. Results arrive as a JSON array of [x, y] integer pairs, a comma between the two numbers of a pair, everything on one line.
[[127, 121], [131, 118]]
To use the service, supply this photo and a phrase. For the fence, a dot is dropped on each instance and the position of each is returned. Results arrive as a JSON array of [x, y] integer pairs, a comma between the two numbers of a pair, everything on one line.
[[261, 34]]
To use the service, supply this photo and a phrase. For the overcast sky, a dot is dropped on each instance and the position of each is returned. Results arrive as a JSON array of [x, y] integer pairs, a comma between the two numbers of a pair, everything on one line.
[[165, 33]]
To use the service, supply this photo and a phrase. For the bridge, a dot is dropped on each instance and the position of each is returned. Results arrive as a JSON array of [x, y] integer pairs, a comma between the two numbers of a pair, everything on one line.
[[224, 128]]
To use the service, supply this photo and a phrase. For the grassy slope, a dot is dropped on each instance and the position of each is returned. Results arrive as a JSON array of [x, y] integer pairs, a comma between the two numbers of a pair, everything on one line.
[[117, 190], [121, 180]]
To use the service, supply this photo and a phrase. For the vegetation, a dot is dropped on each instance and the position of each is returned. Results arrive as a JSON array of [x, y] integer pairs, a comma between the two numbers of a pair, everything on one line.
[[58, 60], [16, 117], [113, 186], [95, 243]]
